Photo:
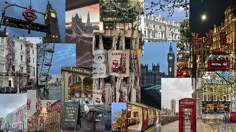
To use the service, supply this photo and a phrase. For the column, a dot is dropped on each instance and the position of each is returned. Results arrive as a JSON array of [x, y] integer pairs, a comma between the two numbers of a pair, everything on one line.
[[82, 86]]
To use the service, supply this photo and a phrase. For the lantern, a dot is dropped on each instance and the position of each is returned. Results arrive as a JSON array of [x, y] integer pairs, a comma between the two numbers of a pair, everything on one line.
[[58, 107], [28, 104], [39, 105], [49, 106]]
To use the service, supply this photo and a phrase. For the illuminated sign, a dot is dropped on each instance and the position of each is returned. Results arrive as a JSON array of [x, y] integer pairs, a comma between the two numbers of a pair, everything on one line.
[[219, 61], [29, 15]]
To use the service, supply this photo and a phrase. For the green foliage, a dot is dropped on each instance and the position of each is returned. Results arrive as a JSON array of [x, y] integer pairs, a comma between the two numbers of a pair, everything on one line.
[[185, 37], [168, 5]]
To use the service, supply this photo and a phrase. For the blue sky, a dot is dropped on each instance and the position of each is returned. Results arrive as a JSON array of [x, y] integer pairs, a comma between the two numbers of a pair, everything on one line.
[[117, 107], [64, 55], [178, 15], [39, 5], [156, 52]]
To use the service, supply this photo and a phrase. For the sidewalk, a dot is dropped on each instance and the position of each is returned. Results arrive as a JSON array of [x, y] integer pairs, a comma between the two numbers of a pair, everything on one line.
[[88, 127]]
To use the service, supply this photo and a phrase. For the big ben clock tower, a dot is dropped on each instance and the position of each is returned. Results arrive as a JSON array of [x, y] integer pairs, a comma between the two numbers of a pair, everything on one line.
[[171, 62], [52, 22]]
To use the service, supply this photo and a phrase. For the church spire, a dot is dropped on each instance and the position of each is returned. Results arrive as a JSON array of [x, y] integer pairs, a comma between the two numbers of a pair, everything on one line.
[[88, 19]]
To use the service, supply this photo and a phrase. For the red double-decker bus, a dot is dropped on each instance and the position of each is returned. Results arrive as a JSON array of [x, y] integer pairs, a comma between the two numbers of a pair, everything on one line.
[[219, 61]]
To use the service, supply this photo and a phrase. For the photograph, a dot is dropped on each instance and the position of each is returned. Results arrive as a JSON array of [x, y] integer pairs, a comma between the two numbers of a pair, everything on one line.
[[81, 21], [42, 115], [51, 57], [13, 114], [27, 18], [178, 106], [18, 64], [213, 55]]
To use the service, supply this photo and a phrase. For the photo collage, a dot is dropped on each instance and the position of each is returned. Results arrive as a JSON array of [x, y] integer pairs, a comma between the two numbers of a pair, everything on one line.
[[118, 66]]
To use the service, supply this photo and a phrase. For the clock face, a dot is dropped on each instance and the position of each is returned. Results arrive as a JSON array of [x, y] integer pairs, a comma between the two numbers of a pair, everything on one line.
[[53, 15], [170, 57]]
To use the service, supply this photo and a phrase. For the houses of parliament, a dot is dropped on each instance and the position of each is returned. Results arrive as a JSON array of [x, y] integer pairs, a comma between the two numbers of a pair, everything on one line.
[[153, 77]]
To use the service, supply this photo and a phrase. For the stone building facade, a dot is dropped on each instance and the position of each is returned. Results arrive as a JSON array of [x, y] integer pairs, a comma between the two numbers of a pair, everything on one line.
[[151, 77], [17, 63], [157, 29]]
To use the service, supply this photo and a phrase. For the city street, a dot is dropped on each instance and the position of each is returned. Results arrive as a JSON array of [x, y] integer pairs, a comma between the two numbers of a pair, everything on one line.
[[88, 127], [174, 127]]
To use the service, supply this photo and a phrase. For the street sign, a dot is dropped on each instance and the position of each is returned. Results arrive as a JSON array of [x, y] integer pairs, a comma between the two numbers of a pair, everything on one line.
[[69, 116]]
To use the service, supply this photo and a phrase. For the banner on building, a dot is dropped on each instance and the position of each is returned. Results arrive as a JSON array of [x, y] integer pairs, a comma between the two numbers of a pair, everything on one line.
[[97, 96], [99, 64], [118, 63]]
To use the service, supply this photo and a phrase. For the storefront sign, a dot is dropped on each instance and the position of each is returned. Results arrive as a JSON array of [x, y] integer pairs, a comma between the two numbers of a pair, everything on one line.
[[118, 62], [70, 114], [99, 65], [219, 61], [218, 65]]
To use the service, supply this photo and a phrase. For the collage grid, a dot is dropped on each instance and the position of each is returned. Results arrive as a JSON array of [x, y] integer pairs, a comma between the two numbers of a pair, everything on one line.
[[117, 66]]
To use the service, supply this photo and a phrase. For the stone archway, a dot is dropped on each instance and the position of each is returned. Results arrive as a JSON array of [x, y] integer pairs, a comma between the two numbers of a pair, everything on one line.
[[73, 81]]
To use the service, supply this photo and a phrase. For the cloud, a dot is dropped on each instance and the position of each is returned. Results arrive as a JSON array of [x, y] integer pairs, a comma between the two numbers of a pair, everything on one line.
[[175, 88], [10, 102]]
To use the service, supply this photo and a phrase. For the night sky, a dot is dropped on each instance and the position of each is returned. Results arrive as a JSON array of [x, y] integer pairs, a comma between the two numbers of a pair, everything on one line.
[[214, 10]]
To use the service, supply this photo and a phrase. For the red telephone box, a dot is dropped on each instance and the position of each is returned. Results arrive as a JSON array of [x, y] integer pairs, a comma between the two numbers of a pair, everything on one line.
[[187, 115]]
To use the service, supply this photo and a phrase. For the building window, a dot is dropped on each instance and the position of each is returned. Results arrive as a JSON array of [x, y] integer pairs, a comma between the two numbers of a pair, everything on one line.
[[32, 51], [1, 67], [33, 71], [21, 46], [33, 60], [21, 69], [21, 57], [13, 68]]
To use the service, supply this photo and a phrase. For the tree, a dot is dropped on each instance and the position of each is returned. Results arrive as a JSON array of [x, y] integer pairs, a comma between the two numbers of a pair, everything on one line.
[[169, 5], [185, 37]]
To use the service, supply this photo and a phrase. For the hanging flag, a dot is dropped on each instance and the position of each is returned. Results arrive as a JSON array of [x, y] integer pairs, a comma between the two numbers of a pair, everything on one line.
[[28, 104], [49, 104], [38, 105], [209, 39], [195, 38]]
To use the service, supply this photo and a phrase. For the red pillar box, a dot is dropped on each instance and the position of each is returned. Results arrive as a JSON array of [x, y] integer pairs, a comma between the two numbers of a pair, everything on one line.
[[187, 115]]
